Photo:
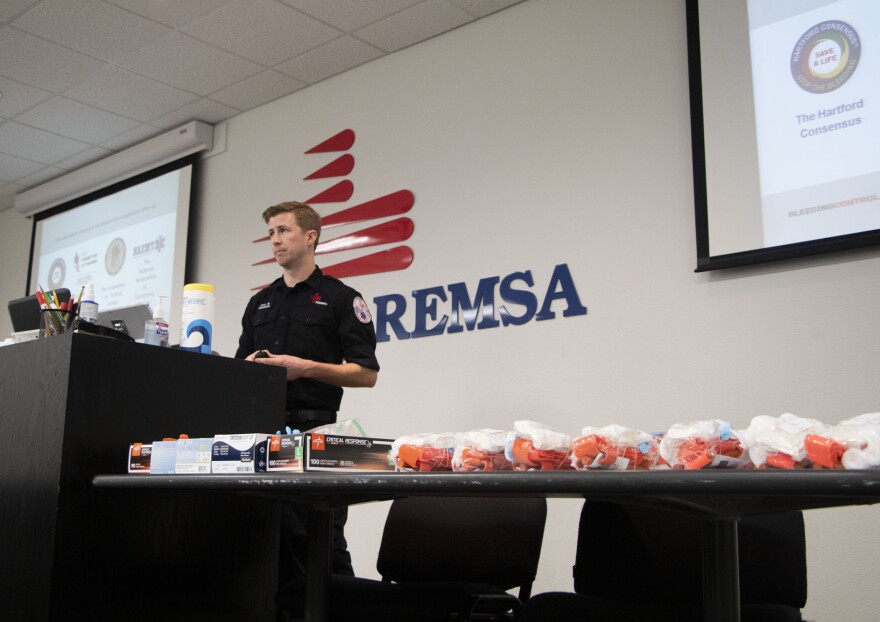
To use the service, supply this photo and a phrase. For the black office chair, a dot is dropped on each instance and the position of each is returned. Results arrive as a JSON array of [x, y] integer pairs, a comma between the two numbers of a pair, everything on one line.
[[442, 558], [636, 563]]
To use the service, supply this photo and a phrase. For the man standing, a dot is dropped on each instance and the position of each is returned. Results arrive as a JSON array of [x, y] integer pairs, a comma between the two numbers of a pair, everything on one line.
[[321, 331]]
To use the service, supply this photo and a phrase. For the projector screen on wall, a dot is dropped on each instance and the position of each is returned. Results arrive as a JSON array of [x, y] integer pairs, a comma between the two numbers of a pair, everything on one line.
[[785, 111], [129, 240]]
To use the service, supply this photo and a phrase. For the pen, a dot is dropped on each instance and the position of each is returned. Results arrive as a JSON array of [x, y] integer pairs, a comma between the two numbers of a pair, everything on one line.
[[78, 300], [46, 297], [55, 321], [49, 324], [72, 314]]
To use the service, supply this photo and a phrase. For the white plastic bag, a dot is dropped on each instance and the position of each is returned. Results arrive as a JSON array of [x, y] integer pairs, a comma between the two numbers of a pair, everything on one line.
[[704, 444], [423, 452], [481, 450]]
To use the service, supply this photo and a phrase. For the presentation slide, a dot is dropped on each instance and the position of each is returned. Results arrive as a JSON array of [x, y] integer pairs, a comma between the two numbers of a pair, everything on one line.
[[815, 68], [131, 245]]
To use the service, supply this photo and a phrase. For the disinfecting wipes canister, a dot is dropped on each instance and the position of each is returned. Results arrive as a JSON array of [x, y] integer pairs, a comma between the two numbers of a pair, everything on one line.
[[197, 321]]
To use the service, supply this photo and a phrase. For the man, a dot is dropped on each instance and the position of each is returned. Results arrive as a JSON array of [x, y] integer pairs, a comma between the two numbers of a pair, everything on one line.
[[321, 331]]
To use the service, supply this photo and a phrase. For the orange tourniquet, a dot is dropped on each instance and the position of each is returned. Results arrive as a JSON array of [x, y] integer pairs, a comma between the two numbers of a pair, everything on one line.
[[697, 453], [525, 457], [423, 458], [824, 452], [597, 452], [476, 460]]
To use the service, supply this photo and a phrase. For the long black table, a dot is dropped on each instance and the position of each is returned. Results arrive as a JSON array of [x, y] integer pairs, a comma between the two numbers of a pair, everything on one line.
[[718, 497]]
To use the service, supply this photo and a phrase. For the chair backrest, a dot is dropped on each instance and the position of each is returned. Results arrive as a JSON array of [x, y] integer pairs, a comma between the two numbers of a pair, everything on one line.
[[644, 555], [496, 541]]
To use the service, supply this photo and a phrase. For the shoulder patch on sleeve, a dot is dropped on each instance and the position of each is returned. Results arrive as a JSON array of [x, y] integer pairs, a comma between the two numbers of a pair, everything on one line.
[[362, 311]]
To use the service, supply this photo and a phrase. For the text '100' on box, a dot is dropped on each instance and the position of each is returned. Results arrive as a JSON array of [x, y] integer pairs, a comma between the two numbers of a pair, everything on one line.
[[327, 452]]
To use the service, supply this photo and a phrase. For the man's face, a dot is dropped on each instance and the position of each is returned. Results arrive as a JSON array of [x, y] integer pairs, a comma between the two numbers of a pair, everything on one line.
[[290, 244]]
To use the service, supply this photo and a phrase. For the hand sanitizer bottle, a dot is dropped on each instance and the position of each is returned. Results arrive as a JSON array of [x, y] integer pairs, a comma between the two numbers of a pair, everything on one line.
[[88, 308], [156, 330]]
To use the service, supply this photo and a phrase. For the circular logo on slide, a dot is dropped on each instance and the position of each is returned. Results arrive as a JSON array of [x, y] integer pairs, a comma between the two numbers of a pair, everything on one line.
[[825, 56], [57, 272], [114, 258]]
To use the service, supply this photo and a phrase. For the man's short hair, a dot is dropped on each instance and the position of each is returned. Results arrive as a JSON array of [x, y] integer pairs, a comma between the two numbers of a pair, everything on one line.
[[306, 217]]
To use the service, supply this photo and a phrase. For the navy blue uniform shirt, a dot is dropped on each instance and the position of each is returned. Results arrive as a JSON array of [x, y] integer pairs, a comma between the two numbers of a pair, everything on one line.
[[321, 319]]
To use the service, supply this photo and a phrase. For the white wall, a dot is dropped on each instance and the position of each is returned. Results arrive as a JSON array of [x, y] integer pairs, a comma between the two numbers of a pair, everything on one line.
[[555, 132], [15, 240]]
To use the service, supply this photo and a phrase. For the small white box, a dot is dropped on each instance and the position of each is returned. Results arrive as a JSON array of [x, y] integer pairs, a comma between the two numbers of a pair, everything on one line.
[[26, 335], [239, 453], [193, 456], [139, 458], [163, 457], [285, 453]]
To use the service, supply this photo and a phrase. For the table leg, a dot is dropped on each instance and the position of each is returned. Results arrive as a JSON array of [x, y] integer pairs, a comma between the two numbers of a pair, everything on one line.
[[721, 570], [319, 552]]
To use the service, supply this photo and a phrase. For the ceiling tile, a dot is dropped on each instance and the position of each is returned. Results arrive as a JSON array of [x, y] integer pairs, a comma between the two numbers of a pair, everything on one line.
[[75, 120], [33, 144], [18, 97], [41, 176], [260, 31], [174, 14], [190, 65], [92, 27], [93, 154], [201, 110], [132, 137], [347, 15], [10, 9], [257, 90], [129, 94], [13, 169], [177, 60], [37, 62], [413, 25], [482, 8], [330, 59]]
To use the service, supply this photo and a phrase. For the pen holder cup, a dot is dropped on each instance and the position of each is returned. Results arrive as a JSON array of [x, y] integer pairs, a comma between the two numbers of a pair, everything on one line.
[[54, 322]]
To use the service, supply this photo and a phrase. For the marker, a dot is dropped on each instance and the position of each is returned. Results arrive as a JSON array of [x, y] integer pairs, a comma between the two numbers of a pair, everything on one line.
[[55, 321], [71, 316], [46, 297], [75, 307], [50, 327]]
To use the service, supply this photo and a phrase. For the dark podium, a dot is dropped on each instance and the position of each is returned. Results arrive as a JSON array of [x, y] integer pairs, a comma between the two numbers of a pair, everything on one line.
[[69, 407]]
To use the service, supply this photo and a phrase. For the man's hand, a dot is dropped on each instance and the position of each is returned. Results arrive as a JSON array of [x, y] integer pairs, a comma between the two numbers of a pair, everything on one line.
[[343, 375], [295, 366]]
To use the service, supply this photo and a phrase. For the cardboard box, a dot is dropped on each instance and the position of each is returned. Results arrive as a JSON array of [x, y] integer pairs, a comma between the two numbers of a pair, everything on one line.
[[162, 457], [239, 453], [139, 458], [193, 456], [285, 453], [328, 452]]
